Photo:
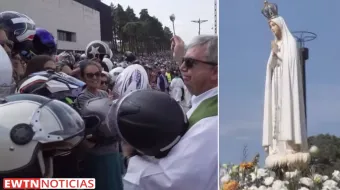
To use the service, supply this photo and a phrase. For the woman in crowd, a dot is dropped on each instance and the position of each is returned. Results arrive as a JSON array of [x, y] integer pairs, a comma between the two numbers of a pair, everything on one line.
[[90, 73]]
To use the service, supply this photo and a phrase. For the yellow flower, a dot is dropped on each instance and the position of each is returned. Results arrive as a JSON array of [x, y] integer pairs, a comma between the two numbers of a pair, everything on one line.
[[231, 185]]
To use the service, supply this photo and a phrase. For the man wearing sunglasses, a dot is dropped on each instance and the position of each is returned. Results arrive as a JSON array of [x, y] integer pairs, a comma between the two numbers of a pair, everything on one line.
[[193, 161]]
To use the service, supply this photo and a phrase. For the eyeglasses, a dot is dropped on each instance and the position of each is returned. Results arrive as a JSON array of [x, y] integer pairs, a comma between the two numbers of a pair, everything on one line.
[[190, 62], [8, 43], [103, 82], [92, 75]]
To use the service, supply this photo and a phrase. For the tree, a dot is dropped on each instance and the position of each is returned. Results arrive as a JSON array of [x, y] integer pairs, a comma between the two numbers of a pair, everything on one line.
[[143, 34], [328, 159]]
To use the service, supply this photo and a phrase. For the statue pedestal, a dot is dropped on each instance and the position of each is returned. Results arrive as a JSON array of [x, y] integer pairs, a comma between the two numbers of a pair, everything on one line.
[[293, 160]]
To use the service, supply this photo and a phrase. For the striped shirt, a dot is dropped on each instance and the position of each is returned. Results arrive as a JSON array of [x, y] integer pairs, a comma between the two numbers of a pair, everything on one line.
[[86, 95]]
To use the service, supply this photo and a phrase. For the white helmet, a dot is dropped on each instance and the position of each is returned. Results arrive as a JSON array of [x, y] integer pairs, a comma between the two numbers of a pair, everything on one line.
[[108, 63], [115, 72], [6, 80], [32, 124], [134, 77]]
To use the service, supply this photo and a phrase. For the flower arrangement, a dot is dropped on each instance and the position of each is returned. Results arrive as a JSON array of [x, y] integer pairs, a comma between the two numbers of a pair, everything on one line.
[[249, 176]]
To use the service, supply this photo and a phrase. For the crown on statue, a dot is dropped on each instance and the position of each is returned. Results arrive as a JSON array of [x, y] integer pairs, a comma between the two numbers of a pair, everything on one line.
[[270, 10]]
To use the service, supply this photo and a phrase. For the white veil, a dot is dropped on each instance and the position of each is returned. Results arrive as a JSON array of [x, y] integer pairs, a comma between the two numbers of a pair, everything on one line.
[[292, 108]]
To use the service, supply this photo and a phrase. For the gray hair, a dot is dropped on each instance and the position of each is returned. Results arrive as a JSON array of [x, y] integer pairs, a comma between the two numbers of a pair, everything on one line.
[[210, 42]]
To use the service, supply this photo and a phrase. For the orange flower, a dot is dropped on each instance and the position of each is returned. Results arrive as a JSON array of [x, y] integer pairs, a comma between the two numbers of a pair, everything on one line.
[[231, 185], [247, 165]]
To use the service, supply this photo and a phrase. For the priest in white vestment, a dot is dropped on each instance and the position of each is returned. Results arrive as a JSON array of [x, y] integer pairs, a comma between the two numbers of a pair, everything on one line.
[[192, 164], [284, 123]]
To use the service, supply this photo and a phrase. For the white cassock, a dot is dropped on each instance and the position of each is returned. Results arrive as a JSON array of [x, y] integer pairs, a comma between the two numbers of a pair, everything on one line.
[[284, 123], [176, 93], [191, 165]]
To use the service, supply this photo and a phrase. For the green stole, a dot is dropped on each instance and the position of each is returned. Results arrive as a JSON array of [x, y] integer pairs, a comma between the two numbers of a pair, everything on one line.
[[207, 108]]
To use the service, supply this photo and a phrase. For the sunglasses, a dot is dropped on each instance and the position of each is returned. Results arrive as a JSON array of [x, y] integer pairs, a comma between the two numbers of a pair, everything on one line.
[[190, 62], [104, 82], [8, 43], [92, 75]]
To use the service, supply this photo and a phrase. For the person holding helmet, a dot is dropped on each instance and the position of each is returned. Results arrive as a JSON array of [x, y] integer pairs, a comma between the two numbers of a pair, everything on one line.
[[103, 159], [29, 146], [21, 30], [192, 162], [142, 121]]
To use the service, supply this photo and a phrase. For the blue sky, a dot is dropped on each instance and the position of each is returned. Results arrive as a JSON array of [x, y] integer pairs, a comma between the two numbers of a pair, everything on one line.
[[244, 49]]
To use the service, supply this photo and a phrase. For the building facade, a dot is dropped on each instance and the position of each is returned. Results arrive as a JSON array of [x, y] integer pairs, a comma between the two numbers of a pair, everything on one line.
[[73, 23]]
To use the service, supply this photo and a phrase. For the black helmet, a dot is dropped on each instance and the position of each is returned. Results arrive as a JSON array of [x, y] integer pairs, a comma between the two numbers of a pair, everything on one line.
[[94, 114], [97, 49], [129, 56], [20, 28], [150, 121]]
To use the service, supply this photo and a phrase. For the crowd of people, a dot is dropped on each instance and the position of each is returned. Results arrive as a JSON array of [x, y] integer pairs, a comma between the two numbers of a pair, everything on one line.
[[129, 121]]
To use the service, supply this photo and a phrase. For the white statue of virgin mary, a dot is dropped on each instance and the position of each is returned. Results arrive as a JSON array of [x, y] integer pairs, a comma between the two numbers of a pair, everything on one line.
[[284, 123]]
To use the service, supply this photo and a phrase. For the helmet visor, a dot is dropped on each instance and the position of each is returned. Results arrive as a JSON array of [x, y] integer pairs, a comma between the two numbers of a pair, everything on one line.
[[70, 121]]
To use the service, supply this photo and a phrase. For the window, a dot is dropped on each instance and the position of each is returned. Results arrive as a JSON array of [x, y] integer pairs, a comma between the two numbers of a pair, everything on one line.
[[67, 36]]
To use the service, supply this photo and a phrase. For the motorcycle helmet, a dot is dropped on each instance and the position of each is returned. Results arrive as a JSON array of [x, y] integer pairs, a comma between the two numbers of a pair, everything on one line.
[[97, 49], [44, 42], [66, 58], [52, 85], [35, 129], [108, 63], [142, 120], [129, 56], [115, 72], [7, 85], [20, 29], [134, 77], [94, 114]]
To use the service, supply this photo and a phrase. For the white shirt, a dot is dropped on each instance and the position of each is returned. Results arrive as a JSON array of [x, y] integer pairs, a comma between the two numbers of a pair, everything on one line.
[[191, 165]]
